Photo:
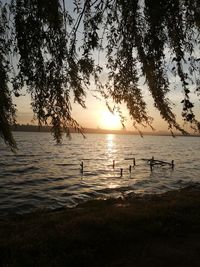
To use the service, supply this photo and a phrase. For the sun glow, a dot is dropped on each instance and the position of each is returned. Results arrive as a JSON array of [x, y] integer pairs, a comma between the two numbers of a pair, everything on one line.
[[110, 121]]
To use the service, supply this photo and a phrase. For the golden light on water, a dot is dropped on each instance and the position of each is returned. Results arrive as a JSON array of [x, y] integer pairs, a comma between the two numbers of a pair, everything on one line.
[[113, 185], [110, 141], [110, 146]]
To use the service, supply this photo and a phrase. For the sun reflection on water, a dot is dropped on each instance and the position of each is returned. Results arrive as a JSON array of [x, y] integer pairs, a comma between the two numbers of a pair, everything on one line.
[[113, 185], [110, 141], [111, 152]]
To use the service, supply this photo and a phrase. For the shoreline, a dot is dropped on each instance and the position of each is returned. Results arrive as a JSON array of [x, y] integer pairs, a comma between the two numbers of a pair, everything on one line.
[[121, 197], [41, 129], [153, 230]]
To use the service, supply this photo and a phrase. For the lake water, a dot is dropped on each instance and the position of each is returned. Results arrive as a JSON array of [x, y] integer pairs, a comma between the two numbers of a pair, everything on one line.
[[43, 175]]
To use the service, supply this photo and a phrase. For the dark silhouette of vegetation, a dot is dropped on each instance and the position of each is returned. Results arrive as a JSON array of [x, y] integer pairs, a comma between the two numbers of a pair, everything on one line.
[[51, 53]]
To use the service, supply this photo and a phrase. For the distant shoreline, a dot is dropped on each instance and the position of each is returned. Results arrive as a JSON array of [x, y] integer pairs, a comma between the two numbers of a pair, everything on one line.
[[35, 128]]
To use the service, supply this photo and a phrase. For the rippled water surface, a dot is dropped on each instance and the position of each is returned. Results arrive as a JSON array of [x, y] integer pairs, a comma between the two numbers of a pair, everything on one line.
[[45, 175]]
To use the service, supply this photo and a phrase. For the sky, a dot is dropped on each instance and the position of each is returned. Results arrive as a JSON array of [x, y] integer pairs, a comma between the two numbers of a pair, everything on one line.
[[97, 115]]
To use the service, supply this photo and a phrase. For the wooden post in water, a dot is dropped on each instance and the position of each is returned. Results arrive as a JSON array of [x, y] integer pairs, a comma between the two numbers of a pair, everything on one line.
[[151, 163], [172, 164], [113, 164], [121, 172], [130, 169], [81, 167], [134, 162]]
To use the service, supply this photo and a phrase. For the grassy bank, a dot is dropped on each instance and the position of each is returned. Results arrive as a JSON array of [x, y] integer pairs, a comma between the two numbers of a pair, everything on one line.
[[150, 231]]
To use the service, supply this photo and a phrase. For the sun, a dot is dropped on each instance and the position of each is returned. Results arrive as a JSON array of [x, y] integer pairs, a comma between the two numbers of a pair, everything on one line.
[[110, 121]]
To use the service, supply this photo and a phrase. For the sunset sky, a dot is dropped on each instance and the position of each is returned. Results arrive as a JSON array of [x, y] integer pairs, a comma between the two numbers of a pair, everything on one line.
[[96, 115]]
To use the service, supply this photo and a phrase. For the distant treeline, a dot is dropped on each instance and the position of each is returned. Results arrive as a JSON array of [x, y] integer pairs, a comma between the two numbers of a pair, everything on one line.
[[30, 128], [35, 128]]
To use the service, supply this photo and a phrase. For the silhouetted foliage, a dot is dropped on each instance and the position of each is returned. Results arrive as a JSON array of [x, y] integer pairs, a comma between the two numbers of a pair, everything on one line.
[[51, 52]]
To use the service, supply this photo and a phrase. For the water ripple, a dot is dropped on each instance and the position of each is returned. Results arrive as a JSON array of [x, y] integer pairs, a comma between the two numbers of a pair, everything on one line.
[[42, 175]]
